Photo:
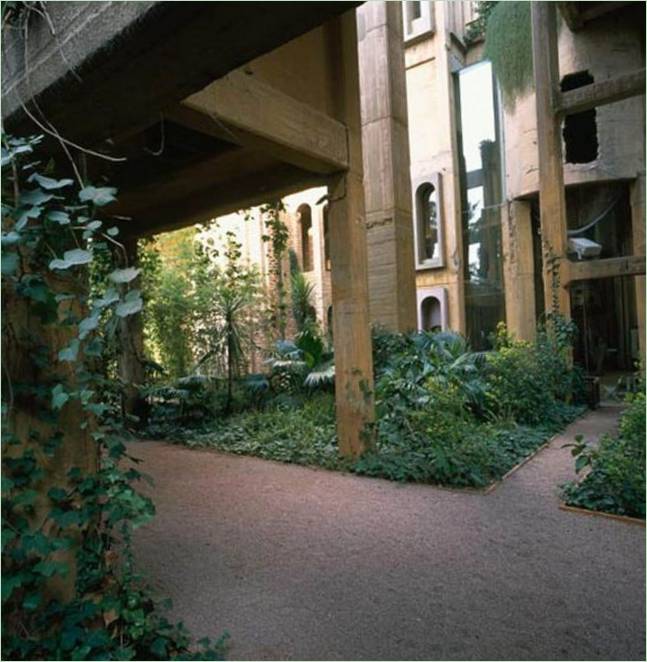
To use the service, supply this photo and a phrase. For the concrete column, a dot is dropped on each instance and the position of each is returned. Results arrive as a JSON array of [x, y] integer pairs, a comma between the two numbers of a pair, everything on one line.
[[518, 270], [352, 335], [387, 185], [552, 199], [638, 231], [131, 356]]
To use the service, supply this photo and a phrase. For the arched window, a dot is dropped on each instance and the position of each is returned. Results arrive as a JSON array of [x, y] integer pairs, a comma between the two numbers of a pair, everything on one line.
[[428, 221], [432, 308], [305, 223], [427, 211], [326, 232], [430, 314]]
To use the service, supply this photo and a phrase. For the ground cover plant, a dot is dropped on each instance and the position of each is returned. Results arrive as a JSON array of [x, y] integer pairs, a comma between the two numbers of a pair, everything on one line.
[[445, 415], [613, 471]]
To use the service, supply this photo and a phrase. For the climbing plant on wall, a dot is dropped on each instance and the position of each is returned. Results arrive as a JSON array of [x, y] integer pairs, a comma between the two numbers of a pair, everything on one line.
[[508, 45], [277, 236], [69, 591]]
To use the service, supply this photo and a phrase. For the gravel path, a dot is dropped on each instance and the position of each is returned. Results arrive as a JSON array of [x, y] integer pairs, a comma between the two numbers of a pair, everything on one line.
[[301, 564]]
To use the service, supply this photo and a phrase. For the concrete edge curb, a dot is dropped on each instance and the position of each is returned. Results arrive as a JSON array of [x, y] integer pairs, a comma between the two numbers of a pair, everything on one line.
[[598, 513]]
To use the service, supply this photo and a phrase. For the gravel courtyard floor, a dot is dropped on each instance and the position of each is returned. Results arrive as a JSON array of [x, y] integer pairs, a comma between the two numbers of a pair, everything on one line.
[[301, 564]]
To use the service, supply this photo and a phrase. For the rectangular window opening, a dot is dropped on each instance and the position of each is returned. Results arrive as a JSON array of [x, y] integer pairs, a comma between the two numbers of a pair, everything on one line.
[[580, 129]]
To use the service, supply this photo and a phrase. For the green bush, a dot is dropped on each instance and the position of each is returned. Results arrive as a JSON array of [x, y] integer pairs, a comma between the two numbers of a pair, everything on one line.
[[615, 482], [532, 382]]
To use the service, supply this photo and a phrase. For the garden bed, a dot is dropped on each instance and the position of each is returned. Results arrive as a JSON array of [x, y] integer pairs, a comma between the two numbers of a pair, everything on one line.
[[445, 415], [305, 434], [613, 479]]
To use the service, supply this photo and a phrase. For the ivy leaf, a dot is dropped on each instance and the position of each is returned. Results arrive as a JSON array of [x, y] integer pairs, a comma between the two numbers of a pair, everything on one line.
[[71, 259], [35, 198], [59, 396], [70, 352], [9, 264], [66, 518], [88, 325], [10, 238], [124, 275], [60, 217], [9, 583], [49, 568], [113, 231], [130, 305], [31, 601], [48, 183], [25, 498], [94, 347], [5, 157], [30, 212], [110, 296], [57, 494], [93, 225], [98, 196]]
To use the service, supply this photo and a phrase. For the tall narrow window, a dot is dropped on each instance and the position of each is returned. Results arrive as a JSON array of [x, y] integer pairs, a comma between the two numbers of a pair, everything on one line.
[[305, 223], [580, 129], [428, 220], [326, 231], [418, 19], [428, 226], [481, 197]]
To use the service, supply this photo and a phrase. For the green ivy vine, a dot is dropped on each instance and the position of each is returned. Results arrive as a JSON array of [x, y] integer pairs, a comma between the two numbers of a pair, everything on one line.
[[69, 503]]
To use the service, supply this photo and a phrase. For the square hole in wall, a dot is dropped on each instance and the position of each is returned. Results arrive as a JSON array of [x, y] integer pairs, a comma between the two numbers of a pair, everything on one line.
[[580, 130]]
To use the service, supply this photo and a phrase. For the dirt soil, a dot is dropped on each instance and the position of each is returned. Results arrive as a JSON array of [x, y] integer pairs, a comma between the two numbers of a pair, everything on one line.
[[301, 564]]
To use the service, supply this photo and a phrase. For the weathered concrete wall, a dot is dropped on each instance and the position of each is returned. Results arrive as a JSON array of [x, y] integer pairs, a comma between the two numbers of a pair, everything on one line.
[[432, 138], [605, 48], [386, 166]]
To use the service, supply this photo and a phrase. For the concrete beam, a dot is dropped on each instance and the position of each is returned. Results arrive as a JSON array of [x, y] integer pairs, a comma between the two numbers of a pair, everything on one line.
[[601, 94], [223, 195], [114, 65], [252, 113], [632, 265]]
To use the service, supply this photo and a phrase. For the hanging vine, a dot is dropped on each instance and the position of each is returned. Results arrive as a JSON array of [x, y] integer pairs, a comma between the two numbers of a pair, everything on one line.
[[508, 45]]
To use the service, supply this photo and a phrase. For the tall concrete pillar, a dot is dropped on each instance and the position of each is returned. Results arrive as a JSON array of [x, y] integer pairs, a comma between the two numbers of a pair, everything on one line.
[[131, 356], [519, 270], [391, 274]]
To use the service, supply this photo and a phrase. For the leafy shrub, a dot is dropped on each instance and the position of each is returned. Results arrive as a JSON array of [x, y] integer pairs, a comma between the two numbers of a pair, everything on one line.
[[531, 382], [304, 362], [615, 482]]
